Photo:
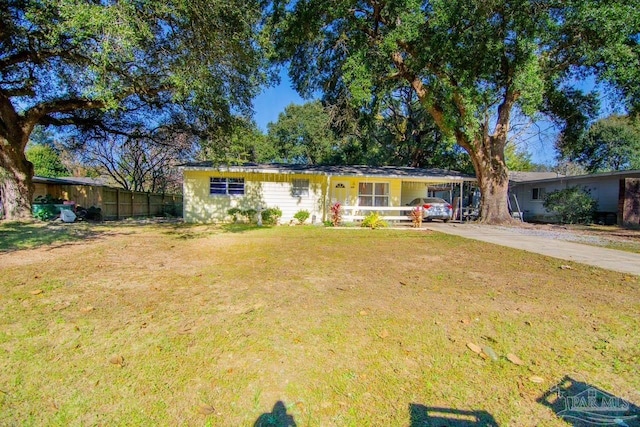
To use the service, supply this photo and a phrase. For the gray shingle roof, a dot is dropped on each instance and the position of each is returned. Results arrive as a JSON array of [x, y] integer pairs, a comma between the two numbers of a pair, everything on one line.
[[72, 180], [515, 176], [351, 170]]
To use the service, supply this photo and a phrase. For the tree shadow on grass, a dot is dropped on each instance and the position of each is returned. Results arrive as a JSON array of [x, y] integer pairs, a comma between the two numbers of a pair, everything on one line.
[[187, 231], [242, 228], [278, 417], [431, 416], [16, 236], [581, 404]]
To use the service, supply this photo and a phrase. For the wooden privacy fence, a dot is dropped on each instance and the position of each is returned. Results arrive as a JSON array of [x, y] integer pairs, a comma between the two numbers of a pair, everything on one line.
[[115, 203], [119, 204]]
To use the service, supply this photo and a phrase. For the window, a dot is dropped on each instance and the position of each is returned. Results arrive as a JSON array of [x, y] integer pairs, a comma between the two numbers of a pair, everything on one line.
[[226, 186], [373, 194], [537, 193], [300, 187]]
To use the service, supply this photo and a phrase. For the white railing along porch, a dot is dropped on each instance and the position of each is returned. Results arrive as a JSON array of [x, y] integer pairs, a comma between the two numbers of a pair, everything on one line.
[[395, 213]]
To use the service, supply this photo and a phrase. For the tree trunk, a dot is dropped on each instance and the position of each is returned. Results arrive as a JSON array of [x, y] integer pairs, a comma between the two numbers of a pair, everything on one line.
[[493, 180], [494, 207], [16, 181]]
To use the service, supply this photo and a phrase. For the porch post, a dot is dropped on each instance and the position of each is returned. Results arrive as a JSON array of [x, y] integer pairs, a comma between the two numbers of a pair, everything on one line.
[[460, 200], [327, 200]]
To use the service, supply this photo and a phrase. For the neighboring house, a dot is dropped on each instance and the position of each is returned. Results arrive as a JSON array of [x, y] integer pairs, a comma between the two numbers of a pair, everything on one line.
[[210, 191], [115, 203], [617, 194]]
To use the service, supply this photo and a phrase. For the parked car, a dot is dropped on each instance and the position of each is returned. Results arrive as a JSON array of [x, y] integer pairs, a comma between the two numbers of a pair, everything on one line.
[[433, 208]]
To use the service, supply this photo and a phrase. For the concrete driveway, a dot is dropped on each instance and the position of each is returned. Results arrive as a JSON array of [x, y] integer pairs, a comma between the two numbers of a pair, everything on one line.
[[610, 259]]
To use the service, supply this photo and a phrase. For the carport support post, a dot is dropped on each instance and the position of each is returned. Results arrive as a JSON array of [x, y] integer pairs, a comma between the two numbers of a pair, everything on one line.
[[460, 201]]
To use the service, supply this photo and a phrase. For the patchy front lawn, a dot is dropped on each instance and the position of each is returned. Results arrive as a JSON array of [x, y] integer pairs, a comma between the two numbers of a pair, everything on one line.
[[168, 324]]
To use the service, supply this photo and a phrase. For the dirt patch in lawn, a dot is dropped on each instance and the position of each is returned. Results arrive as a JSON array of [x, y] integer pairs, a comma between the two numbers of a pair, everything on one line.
[[169, 324]]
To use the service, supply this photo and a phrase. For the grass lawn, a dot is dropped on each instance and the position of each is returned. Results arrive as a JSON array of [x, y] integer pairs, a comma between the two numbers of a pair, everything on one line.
[[169, 324]]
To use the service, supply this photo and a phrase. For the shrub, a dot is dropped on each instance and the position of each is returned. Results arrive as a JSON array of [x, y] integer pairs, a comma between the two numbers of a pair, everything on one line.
[[373, 221], [302, 216], [271, 216], [233, 212], [44, 212], [573, 205], [246, 215], [171, 210], [336, 214]]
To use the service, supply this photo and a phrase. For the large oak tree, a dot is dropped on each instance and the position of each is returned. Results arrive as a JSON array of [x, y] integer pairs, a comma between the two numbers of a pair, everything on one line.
[[473, 64], [97, 64]]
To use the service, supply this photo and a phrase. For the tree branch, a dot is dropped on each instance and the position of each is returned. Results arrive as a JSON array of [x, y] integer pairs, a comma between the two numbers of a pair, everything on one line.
[[432, 108], [20, 91], [33, 115], [9, 118]]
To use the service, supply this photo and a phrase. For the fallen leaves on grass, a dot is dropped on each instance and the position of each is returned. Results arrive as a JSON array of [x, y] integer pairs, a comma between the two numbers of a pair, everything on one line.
[[117, 360], [474, 347], [205, 409], [514, 359], [61, 306]]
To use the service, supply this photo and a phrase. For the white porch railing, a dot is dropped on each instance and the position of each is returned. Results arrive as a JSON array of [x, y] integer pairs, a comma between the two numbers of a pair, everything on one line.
[[355, 213]]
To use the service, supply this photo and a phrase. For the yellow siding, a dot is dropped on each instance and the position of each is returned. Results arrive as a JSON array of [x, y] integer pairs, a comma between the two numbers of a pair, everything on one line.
[[413, 190], [261, 191]]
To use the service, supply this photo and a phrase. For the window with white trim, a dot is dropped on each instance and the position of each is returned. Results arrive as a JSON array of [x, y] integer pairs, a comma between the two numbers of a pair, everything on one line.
[[373, 194], [300, 187], [537, 193], [226, 186]]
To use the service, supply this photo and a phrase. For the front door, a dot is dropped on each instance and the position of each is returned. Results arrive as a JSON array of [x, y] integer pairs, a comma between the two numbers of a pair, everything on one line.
[[340, 193]]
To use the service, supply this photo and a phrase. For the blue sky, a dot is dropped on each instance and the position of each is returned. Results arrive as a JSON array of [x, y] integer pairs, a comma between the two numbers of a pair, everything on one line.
[[274, 100]]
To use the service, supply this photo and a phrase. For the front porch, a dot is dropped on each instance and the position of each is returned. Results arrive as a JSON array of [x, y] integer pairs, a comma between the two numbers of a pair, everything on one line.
[[391, 200]]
